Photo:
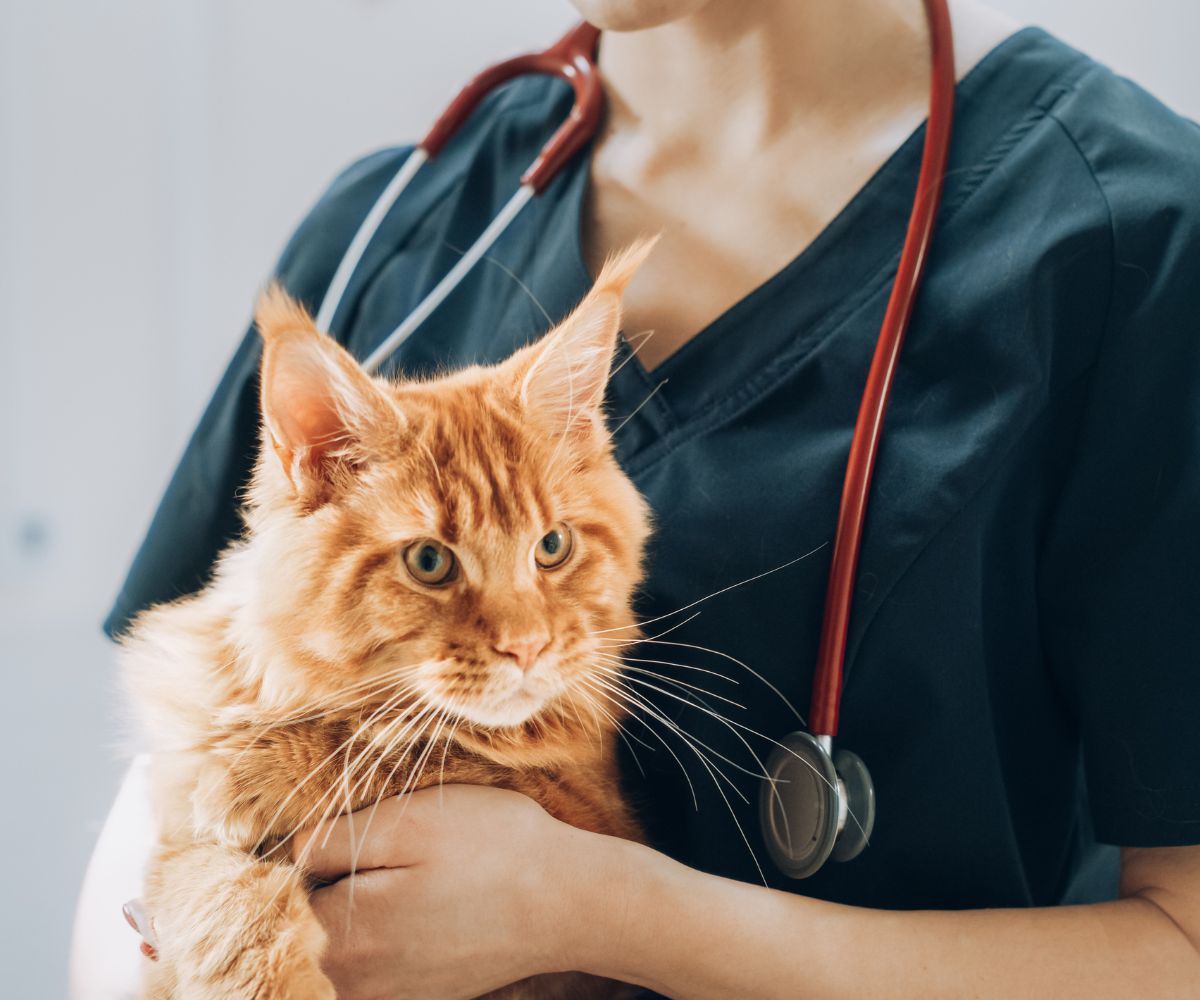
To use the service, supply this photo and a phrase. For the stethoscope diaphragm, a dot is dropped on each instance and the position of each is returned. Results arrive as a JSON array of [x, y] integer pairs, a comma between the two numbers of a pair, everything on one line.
[[813, 807]]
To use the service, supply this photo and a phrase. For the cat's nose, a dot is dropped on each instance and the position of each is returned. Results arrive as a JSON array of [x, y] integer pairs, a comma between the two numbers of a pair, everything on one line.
[[524, 650]]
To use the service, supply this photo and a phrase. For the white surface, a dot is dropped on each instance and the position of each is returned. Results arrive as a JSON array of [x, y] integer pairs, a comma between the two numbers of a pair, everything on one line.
[[153, 158], [104, 966]]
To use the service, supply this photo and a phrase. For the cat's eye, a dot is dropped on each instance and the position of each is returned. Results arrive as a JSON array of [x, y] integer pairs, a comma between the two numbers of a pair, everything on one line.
[[430, 562], [554, 547]]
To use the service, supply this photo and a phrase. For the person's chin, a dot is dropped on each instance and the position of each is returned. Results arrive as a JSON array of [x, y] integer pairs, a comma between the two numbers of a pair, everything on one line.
[[635, 15]]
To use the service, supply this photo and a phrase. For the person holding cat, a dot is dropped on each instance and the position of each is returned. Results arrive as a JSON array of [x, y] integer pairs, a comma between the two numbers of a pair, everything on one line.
[[1021, 669]]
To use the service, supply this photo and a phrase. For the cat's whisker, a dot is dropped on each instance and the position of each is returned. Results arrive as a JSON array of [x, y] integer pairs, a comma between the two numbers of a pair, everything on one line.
[[328, 817], [696, 746], [653, 732], [408, 728], [710, 767], [349, 766], [643, 338], [672, 663], [733, 659], [387, 705], [620, 730], [446, 749], [715, 593], [508, 271], [374, 685], [326, 803], [433, 464], [733, 724], [391, 733], [579, 720], [625, 665], [667, 631], [638, 409], [728, 723], [634, 700], [695, 692], [411, 783], [354, 849], [438, 714], [690, 691]]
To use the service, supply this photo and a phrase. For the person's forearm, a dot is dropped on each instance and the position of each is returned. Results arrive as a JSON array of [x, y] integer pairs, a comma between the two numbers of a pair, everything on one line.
[[690, 935]]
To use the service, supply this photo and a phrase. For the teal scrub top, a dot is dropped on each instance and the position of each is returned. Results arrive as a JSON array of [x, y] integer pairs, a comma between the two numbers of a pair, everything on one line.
[[1023, 671]]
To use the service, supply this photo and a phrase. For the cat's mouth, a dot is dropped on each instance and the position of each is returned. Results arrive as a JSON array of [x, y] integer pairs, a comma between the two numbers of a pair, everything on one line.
[[505, 696]]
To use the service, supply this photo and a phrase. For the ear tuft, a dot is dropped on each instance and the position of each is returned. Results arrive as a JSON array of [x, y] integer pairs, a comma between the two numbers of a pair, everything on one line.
[[278, 313], [563, 377], [620, 267]]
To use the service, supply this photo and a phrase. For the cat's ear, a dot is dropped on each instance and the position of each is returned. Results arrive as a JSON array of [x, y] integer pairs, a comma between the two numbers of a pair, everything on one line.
[[322, 414], [563, 377]]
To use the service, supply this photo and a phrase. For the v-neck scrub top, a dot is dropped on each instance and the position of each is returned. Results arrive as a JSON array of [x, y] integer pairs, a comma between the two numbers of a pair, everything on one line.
[[1023, 668]]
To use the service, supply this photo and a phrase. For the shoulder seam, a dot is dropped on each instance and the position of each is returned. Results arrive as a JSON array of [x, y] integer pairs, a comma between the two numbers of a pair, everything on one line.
[[1053, 116]]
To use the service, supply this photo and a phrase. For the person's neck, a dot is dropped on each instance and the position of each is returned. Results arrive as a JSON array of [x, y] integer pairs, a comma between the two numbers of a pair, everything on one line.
[[748, 73]]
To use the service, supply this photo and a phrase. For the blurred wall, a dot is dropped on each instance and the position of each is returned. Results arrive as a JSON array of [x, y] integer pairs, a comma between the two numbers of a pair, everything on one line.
[[153, 158]]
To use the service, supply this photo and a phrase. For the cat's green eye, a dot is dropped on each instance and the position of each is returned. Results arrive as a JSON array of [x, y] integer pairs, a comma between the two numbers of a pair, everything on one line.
[[554, 547], [430, 562]]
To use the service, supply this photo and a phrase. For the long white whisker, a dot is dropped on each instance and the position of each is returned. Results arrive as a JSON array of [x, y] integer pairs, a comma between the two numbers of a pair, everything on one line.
[[732, 725], [733, 659], [390, 702], [388, 780], [653, 732], [620, 730], [637, 409], [634, 699], [625, 667], [673, 663], [715, 593], [728, 805]]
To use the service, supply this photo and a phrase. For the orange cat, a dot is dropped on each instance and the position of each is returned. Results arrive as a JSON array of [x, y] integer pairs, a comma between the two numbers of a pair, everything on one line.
[[431, 571]]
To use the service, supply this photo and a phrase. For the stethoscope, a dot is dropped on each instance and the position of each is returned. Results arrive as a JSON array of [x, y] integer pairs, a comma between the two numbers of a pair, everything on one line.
[[815, 803]]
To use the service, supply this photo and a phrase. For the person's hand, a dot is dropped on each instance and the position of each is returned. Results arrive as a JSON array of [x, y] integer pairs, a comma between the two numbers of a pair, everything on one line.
[[459, 890]]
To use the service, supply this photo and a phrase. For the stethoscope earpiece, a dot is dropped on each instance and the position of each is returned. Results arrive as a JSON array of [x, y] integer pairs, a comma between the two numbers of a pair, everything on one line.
[[814, 806]]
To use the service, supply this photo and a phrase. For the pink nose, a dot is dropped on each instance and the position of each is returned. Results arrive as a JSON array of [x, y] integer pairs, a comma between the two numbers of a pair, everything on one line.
[[525, 651]]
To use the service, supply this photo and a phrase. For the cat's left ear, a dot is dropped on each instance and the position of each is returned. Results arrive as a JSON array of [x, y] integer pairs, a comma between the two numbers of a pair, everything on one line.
[[565, 374], [322, 414]]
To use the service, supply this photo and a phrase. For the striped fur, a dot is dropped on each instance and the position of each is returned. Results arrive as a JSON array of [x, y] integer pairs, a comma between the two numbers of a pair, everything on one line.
[[280, 694]]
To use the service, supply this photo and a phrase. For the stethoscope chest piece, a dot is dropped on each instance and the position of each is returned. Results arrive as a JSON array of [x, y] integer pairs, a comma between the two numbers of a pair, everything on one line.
[[814, 806]]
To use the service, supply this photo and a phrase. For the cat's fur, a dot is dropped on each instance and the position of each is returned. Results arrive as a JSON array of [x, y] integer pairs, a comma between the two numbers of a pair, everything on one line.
[[312, 623]]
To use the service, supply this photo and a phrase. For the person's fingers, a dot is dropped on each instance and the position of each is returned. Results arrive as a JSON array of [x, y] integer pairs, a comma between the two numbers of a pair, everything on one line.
[[389, 836], [136, 917]]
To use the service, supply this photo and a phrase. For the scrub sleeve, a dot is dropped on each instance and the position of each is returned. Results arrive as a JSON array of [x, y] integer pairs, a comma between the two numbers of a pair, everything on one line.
[[1120, 584]]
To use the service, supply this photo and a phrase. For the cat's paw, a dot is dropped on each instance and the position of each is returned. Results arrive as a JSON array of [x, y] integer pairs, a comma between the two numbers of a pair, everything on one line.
[[232, 927]]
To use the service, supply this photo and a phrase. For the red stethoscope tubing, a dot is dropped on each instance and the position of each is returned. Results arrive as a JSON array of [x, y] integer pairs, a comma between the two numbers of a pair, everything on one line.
[[868, 428], [573, 58]]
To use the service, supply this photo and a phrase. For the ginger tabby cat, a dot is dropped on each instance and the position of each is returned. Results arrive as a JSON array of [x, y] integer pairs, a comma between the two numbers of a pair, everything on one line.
[[434, 585]]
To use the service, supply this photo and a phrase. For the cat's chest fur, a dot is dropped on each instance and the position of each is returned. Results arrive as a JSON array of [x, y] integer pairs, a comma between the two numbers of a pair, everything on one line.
[[254, 787]]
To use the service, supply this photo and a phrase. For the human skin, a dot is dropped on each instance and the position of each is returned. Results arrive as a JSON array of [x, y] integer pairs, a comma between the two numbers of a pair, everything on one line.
[[771, 114], [463, 889]]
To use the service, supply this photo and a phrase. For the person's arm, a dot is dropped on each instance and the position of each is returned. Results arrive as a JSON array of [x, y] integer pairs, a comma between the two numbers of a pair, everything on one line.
[[686, 934], [474, 887]]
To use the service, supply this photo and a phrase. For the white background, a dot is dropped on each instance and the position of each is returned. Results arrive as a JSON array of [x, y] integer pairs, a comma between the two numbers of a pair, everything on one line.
[[154, 156]]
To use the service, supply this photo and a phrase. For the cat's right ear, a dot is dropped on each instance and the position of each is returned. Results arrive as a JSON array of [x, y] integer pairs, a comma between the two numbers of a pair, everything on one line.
[[323, 415], [563, 376]]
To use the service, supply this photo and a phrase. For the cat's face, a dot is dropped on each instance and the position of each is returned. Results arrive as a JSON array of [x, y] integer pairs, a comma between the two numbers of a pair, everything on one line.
[[468, 545]]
